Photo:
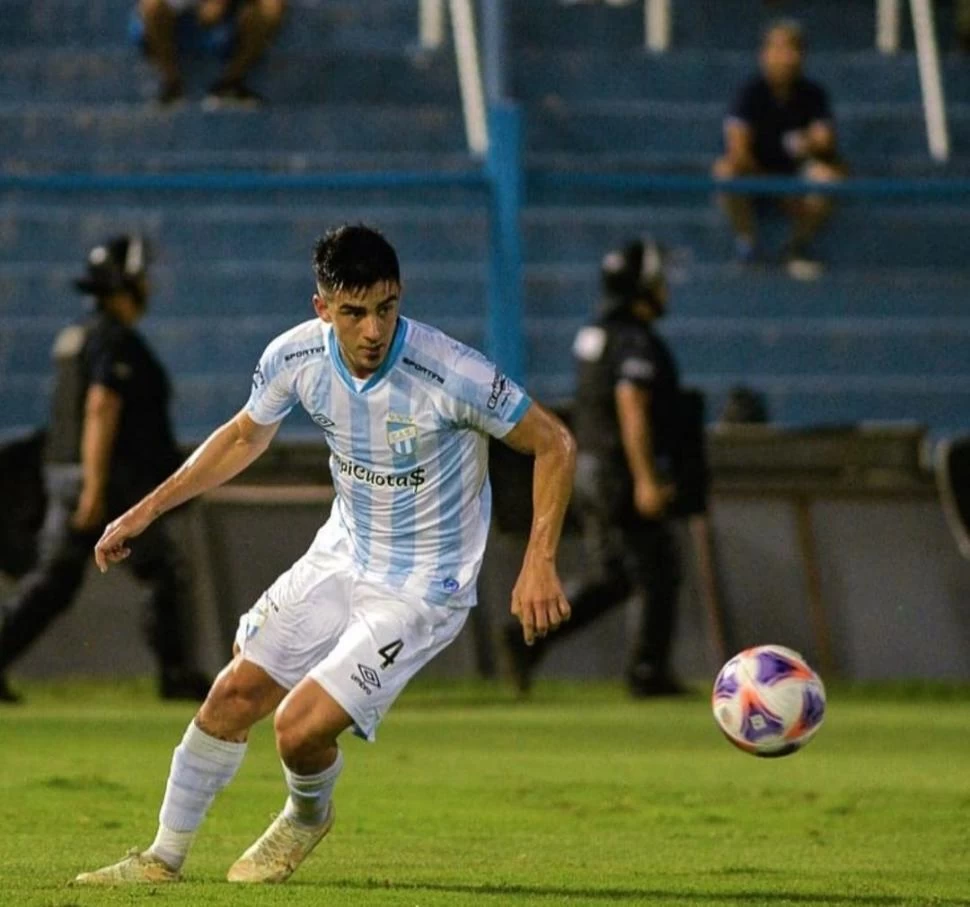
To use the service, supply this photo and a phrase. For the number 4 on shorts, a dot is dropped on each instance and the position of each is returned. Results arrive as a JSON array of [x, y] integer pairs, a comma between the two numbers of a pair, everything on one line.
[[390, 652]]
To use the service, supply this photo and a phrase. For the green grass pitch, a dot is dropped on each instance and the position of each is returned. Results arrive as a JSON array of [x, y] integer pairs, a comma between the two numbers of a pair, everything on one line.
[[578, 796]]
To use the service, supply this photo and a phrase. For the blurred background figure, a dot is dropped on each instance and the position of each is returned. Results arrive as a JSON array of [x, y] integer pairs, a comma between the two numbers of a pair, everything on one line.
[[627, 427], [780, 124], [963, 25], [244, 28], [109, 441]]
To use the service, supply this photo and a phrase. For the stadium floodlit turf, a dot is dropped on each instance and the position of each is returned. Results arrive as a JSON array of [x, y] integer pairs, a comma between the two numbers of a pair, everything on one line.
[[578, 796]]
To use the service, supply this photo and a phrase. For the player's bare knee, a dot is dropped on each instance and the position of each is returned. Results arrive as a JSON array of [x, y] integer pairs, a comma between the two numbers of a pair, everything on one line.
[[304, 749], [155, 9], [821, 172], [307, 728], [724, 169], [298, 741], [816, 205]]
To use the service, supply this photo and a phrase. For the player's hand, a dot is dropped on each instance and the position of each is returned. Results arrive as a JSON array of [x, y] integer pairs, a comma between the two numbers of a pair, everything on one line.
[[89, 513], [538, 600], [112, 547], [796, 143], [651, 499]]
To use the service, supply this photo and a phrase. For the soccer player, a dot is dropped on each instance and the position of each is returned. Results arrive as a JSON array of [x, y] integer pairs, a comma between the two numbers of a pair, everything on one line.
[[389, 578]]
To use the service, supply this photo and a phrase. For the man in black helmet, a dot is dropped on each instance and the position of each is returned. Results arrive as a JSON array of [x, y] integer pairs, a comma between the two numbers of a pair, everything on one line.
[[108, 442], [626, 423]]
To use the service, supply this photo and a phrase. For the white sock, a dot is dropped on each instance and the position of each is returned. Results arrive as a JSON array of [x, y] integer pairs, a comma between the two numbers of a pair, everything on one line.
[[310, 794], [201, 767]]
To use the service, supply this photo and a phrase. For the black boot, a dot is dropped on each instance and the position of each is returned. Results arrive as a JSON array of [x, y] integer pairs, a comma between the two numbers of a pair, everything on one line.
[[7, 695], [644, 681], [523, 659]]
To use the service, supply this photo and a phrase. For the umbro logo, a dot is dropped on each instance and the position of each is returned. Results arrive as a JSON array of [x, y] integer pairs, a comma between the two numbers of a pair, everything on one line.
[[369, 675], [323, 420]]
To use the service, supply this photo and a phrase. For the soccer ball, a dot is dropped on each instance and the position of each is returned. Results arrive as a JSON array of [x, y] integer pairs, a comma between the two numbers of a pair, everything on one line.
[[768, 701]]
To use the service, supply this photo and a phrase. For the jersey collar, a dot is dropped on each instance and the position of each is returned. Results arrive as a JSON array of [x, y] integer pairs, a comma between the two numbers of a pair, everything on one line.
[[397, 342]]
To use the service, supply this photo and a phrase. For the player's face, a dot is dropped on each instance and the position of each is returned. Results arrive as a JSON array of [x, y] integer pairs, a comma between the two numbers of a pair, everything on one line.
[[781, 57], [363, 324]]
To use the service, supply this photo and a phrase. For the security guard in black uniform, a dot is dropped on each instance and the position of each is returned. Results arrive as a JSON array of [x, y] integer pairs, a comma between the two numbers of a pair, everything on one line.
[[109, 441], [626, 421]]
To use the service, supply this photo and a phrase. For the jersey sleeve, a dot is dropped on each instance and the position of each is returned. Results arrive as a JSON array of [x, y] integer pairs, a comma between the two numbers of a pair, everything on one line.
[[634, 361], [273, 394], [110, 360], [481, 397]]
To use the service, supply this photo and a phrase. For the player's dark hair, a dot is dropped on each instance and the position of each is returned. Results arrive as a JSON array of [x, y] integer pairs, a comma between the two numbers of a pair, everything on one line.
[[353, 258]]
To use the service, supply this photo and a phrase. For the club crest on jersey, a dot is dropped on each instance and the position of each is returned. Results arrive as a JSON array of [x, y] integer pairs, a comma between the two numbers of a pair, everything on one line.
[[402, 434]]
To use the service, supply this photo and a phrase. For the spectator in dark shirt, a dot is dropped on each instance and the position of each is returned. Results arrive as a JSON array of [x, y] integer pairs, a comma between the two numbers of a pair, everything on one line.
[[247, 26], [781, 125]]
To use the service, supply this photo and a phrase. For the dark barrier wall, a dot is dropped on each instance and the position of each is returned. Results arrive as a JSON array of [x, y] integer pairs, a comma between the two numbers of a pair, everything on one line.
[[894, 593]]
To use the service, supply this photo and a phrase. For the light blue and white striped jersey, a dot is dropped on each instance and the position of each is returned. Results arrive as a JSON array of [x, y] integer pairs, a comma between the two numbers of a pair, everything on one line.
[[409, 449]]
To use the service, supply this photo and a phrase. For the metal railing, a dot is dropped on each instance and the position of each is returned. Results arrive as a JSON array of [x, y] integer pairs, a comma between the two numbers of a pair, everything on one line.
[[888, 24], [431, 34], [504, 179], [657, 35]]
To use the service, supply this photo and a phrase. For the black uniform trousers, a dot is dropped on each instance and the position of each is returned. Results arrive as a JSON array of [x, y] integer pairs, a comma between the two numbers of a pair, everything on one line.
[[64, 554], [625, 555]]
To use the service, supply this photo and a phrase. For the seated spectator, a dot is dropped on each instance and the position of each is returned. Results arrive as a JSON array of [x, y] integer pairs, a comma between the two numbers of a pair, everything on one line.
[[246, 27], [781, 124]]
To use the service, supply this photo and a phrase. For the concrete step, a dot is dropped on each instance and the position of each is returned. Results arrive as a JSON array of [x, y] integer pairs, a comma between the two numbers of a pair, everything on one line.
[[201, 344], [725, 291], [674, 128], [714, 75], [719, 24], [863, 234], [136, 129], [324, 24], [243, 232], [378, 77], [239, 289], [746, 344]]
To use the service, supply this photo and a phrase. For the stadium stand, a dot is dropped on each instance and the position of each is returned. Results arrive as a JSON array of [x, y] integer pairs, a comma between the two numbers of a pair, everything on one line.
[[879, 337]]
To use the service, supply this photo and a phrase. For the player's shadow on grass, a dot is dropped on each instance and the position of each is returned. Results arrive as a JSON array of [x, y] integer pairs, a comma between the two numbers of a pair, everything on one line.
[[637, 895]]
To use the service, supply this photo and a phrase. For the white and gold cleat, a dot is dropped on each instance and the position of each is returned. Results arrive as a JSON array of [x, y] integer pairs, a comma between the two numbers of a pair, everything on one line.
[[138, 868], [279, 850]]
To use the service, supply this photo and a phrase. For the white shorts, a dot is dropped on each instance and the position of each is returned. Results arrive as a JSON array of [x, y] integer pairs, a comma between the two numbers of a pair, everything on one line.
[[362, 643]]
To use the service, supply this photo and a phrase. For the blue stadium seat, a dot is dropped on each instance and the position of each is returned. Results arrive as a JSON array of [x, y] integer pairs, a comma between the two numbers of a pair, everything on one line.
[[880, 336]]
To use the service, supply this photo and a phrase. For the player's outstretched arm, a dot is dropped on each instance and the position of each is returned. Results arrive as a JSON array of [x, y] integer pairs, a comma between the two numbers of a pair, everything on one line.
[[538, 600], [224, 454]]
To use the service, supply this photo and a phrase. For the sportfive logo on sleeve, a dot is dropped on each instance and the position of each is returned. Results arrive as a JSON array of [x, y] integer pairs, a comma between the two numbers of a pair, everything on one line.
[[422, 370], [501, 391]]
